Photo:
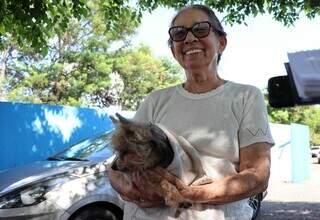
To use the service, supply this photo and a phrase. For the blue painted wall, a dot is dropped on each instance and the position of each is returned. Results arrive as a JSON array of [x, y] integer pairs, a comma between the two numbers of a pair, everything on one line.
[[290, 157], [30, 132], [300, 152]]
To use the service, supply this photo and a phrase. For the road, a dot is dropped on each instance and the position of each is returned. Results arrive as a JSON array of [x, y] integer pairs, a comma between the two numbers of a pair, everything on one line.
[[294, 201]]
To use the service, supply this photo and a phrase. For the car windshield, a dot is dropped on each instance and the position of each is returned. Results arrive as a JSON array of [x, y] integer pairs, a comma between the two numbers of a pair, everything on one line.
[[88, 149]]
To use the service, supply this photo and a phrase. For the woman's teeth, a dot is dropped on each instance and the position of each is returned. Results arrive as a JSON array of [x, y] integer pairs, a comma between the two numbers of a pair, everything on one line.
[[193, 51]]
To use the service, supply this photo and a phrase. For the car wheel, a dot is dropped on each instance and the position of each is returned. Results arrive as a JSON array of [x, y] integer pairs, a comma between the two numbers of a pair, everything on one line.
[[255, 203], [319, 160], [98, 213]]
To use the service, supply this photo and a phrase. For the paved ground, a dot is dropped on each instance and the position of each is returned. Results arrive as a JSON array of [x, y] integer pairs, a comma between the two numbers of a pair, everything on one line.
[[294, 201]]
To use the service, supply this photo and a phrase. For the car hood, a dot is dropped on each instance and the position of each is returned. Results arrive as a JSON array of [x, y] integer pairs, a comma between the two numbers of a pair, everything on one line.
[[13, 178]]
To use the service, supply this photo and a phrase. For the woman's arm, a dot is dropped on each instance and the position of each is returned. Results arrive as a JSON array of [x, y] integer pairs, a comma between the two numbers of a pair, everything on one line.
[[253, 176]]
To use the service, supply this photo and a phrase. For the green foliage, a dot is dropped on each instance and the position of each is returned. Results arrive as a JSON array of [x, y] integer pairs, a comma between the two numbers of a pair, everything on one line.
[[83, 78], [80, 65], [287, 11], [307, 115], [31, 23], [142, 73]]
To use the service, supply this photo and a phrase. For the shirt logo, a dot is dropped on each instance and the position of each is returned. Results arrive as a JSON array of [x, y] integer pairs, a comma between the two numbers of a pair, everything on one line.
[[258, 132]]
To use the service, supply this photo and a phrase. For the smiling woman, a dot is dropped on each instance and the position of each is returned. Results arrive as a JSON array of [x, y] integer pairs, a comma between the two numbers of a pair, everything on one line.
[[221, 120]]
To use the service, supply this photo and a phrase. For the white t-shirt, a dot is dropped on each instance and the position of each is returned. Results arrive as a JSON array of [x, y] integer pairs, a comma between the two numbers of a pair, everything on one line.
[[217, 123]]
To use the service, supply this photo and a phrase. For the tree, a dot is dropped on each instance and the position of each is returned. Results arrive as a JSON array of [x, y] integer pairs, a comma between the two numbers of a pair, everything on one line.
[[81, 65], [31, 23], [286, 11], [84, 78], [307, 115], [78, 61], [142, 73]]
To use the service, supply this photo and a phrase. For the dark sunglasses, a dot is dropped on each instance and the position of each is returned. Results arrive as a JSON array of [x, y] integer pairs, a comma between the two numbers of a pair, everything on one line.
[[199, 30]]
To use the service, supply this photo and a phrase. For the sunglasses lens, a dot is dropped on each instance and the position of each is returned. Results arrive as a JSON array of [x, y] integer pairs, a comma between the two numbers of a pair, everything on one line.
[[201, 29], [178, 33]]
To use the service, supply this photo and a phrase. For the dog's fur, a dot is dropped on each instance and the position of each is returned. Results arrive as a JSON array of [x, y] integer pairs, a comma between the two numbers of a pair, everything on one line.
[[142, 147]]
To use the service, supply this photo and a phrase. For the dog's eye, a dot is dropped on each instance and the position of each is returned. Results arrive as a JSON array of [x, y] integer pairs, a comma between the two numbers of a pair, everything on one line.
[[123, 153]]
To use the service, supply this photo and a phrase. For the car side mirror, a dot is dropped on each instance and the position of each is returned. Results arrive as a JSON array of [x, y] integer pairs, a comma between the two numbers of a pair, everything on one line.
[[282, 92]]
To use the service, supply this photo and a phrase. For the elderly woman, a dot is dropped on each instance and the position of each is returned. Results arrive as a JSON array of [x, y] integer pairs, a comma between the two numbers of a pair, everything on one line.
[[220, 118]]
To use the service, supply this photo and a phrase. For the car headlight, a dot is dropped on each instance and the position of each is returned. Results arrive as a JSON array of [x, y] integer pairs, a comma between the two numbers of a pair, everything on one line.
[[30, 195], [23, 198]]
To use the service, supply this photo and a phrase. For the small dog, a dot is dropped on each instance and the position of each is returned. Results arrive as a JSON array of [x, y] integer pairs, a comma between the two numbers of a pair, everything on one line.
[[142, 147]]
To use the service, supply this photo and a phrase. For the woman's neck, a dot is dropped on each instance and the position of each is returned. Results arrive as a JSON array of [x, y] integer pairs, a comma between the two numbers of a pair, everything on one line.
[[201, 82]]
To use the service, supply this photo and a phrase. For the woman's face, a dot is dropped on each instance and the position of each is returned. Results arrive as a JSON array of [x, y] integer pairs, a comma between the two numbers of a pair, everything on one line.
[[196, 53]]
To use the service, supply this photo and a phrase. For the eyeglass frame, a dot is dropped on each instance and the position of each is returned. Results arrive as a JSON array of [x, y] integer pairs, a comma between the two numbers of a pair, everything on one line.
[[219, 32], [188, 29]]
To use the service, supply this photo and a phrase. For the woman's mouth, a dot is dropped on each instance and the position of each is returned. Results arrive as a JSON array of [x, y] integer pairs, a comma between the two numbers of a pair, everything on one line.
[[193, 51]]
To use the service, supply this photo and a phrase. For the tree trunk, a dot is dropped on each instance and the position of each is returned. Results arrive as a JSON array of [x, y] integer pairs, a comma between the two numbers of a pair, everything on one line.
[[3, 66]]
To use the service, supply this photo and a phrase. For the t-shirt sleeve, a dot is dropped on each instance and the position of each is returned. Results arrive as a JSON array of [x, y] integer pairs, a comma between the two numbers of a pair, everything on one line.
[[145, 111], [254, 126]]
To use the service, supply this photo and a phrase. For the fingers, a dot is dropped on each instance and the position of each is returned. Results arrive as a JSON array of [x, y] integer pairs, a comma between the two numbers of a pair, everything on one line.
[[142, 203], [122, 183], [147, 198], [117, 180], [171, 178], [118, 176], [136, 189], [146, 188], [138, 181], [137, 178], [165, 174], [149, 204], [126, 198]]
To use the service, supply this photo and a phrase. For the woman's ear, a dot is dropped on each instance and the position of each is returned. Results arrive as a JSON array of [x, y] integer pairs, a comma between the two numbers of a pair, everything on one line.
[[222, 43]]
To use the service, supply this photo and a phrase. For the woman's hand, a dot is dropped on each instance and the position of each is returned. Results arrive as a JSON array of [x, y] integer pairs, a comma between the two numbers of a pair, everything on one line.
[[188, 192], [134, 189], [147, 189], [254, 171]]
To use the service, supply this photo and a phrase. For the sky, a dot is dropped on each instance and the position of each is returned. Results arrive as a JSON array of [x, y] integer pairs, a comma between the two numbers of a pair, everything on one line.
[[254, 52]]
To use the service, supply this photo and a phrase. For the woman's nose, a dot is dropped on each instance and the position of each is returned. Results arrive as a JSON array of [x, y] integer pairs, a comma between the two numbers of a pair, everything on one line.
[[190, 38]]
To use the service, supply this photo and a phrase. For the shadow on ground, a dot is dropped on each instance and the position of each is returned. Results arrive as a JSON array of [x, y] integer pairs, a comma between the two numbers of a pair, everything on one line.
[[289, 210]]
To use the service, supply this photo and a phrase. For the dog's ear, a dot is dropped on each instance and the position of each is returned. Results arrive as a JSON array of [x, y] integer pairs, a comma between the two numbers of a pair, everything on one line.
[[162, 145], [114, 120], [157, 133], [129, 127], [123, 120]]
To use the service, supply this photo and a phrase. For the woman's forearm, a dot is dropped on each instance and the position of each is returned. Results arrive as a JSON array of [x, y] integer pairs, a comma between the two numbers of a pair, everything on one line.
[[228, 189], [253, 178]]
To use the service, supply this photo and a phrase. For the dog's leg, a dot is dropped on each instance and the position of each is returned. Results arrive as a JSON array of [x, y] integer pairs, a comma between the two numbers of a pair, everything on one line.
[[172, 196], [168, 191]]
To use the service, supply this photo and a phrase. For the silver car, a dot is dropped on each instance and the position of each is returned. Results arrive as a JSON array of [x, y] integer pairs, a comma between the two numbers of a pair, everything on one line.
[[70, 185]]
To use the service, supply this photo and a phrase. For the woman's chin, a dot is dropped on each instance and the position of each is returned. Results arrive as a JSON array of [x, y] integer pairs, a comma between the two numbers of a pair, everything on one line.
[[193, 66]]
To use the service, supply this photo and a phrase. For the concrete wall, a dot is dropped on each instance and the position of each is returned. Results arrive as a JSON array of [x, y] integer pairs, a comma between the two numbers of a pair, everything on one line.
[[31, 132], [290, 157]]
